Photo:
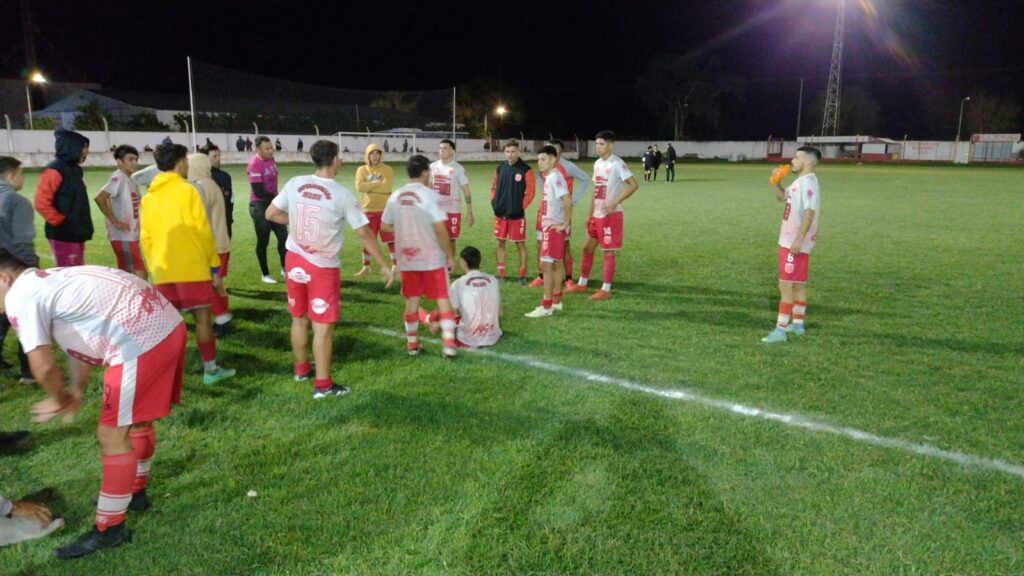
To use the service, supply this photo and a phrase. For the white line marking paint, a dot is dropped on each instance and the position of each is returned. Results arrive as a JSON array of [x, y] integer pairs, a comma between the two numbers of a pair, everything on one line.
[[793, 420]]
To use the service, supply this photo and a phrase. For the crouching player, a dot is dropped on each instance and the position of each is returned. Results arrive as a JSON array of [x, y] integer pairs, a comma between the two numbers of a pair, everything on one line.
[[555, 214], [108, 317], [476, 301], [424, 252]]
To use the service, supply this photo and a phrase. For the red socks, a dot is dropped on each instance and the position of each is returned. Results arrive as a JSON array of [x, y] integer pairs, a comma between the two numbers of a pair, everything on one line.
[[448, 329], [322, 383], [609, 267], [143, 445], [568, 263], [522, 271], [586, 264], [119, 473], [501, 270], [412, 326], [785, 309], [556, 298], [207, 350], [303, 368], [799, 308]]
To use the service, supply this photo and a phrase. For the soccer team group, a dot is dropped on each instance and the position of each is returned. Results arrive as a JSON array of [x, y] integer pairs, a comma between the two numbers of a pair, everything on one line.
[[172, 246]]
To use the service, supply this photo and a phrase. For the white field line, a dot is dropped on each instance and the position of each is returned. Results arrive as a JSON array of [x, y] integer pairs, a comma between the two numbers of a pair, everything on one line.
[[792, 420]]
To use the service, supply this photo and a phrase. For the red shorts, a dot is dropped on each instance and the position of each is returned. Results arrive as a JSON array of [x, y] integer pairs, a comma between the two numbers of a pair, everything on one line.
[[552, 246], [143, 389], [454, 224], [430, 283], [793, 268], [129, 258], [374, 218], [187, 295], [312, 291], [607, 231], [514, 230]]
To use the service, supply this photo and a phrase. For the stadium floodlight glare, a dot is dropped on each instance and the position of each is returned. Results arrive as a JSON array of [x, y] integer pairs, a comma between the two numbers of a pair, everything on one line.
[[33, 78], [500, 110]]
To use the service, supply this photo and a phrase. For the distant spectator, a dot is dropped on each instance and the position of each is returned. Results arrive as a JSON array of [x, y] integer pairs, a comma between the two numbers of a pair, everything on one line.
[[147, 148], [208, 143], [670, 164], [167, 140], [262, 173], [648, 160], [223, 180], [248, 144], [277, 144], [299, 145], [405, 146], [240, 144], [61, 199], [387, 147], [656, 164]]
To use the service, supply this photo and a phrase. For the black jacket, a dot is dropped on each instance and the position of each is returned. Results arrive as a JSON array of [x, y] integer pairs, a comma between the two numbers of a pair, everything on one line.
[[513, 187], [71, 198]]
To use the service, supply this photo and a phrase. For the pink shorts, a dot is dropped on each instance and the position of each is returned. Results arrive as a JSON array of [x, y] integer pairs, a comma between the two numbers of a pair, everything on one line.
[[143, 389], [187, 295], [67, 253], [454, 224], [430, 283], [375, 220], [129, 258], [793, 268], [514, 230], [552, 246], [607, 231], [312, 291]]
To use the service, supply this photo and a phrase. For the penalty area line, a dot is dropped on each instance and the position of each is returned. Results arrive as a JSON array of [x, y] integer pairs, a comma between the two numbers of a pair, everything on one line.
[[786, 419]]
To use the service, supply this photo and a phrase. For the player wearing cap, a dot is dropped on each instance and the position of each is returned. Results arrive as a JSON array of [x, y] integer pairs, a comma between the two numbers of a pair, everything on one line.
[[316, 208]]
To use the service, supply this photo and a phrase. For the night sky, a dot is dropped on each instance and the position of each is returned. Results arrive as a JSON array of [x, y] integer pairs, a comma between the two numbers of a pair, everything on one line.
[[572, 63]]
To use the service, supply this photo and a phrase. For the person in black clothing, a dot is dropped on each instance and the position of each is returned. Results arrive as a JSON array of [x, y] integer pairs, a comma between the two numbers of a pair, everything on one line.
[[240, 144], [223, 180], [277, 144], [648, 160], [299, 146], [670, 163], [63, 201], [248, 144], [511, 192], [656, 163]]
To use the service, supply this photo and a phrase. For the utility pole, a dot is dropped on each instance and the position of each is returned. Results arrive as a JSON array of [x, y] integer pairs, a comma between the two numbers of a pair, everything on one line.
[[831, 120], [28, 32], [799, 108]]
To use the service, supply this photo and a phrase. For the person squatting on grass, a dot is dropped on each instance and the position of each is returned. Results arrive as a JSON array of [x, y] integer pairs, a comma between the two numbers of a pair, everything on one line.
[[511, 193], [179, 246], [424, 252], [118, 200], [374, 180], [613, 184], [62, 200], [797, 237], [476, 301], [141, 341], [316, 208], [555, 215]]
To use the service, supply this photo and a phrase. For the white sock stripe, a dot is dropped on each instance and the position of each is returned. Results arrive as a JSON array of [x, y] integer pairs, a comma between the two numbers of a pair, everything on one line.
[[112, 504], [142, 468], [786, 419], [126, 399]]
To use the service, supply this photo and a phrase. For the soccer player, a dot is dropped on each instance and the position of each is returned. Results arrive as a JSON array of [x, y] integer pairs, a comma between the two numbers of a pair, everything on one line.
[[796, 239], [200, 173], [511, 193], [578, 182], [103, 317], [448, 179], [424, 252], [476, 301], [555, 214], [613, 184], [317, 207], [17, 235], [262, 171], [180, 249], [62, 200], [119, 202], [374, 181]]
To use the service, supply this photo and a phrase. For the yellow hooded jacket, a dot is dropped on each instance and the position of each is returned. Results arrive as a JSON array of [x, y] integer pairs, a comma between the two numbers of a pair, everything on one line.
[[174, 233], [199, 169], [374, 183]]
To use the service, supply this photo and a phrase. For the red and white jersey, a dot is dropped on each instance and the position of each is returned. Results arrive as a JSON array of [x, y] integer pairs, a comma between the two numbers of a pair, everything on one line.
[[317, 210], [609, 177], [803, 194], [98, 315], [478, 298], [551, 210], [447, 180], [413, 210], [124, 203]]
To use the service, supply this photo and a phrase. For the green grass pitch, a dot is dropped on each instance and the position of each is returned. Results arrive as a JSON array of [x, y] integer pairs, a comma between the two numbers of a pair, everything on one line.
[[487, 466]]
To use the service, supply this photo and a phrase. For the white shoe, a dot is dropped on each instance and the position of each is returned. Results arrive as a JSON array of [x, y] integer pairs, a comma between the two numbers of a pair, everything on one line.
[[269, 280], [557, 306], [363, 271], [223, 318], [283, 274], [449, 352], [539, 312]]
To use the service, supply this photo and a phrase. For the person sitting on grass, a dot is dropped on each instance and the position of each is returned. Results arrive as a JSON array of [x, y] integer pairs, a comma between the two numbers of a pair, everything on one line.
[[476, 302]]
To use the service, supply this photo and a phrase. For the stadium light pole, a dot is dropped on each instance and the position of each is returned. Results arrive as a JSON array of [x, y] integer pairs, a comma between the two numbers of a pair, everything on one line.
[[959, 125], [34, 78]]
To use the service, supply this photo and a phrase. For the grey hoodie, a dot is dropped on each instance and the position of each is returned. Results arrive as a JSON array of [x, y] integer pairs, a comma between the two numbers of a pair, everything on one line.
[[17, 229]]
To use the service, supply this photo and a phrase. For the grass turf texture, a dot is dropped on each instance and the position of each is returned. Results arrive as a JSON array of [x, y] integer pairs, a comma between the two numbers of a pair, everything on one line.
[[479, 466]]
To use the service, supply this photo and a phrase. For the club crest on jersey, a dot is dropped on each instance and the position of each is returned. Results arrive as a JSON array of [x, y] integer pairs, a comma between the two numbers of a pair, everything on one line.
[[519, 177], [410, 252]]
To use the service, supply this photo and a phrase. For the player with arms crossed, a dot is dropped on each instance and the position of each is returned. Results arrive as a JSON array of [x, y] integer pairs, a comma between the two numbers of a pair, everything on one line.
[[555, 214], [103, 317], [796, 239], [119, 202], [424, 252], [315, 208], [613, 184], [448, 179]]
